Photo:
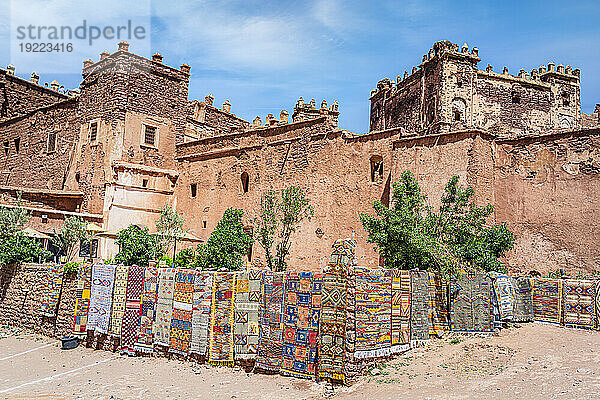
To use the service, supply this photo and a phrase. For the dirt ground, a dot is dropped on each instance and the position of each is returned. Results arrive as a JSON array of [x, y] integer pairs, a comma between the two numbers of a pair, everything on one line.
[[534, 361]]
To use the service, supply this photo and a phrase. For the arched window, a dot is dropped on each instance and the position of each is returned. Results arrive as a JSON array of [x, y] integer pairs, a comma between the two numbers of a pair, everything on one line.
[[376, 169], [245, 182], [459, 108]]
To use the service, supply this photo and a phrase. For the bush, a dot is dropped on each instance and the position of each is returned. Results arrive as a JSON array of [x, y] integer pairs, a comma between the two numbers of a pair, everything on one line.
[[71, 268], [18, 248], [136, 246], [185, 258]]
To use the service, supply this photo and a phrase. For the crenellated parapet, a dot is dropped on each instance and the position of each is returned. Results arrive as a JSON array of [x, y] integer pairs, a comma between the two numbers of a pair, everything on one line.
[[305, 111]]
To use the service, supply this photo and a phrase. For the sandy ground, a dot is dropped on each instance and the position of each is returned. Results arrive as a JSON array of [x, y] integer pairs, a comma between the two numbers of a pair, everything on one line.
[[534, 361]]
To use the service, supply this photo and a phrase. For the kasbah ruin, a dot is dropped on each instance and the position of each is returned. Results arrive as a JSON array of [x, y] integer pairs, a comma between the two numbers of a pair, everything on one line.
[[129, 140]]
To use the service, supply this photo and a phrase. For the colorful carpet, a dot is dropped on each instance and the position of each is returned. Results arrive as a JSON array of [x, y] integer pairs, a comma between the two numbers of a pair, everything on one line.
[[597, 305], [419, 307], [523, 305], [133, 302], [471, 303], [180, 334], [302, 309], [145, 338], [547, 300], [505, 296], [438, 306], [220, 351], [351, 364], [103, 277], [52, 289], [245, 329], [164, 306], [342, 253], [118, 301], [400, 311], [201, 313], [82, 302], [579, 303], [270, 341], [332, 326], [373, 312]]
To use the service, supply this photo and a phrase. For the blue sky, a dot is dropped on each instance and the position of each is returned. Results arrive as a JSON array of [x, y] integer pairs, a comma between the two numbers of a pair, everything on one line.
[[263, 55]]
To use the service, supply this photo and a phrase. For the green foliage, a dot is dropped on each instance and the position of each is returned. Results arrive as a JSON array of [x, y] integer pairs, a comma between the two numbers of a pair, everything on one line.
[[136, 246], [185, 258], [169, 226], [280, 217], [71, 233], [15, 247], [227, 245], [409, 234], [72, 267], [167, 260]]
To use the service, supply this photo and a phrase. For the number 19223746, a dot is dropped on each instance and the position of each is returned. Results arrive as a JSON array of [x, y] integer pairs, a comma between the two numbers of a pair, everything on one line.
[[35, 47]]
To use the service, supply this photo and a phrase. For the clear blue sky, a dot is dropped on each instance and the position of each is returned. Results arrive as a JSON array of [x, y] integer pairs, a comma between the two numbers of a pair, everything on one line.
[[263, 55]]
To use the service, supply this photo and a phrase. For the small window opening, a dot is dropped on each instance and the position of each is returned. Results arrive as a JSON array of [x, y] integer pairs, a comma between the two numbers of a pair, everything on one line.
[[459, 82], [17, 142], [77, 176], [565, 97], [51, 142], [6, 147], [516, 98], [193, 188], [144, 182], [245, 182], [457, 116], [149, 135], [93, 131], [376, 168], [204, 224]]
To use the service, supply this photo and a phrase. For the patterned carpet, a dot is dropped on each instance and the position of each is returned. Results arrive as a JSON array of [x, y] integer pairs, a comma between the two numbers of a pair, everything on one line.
[[301, 317], [145, 339], [419, 307], [220, 351], [164, 307], [438, 307], [505, 296], [332, 325], [247, 299], [52, 289], [270, 342], [579, 303], [181, 319], [373, 312], [471, 305], [201, 313], [118, 301], [103, 277], [131, 316], [547, 300], [523, 305], [82, 302], [400, 311]]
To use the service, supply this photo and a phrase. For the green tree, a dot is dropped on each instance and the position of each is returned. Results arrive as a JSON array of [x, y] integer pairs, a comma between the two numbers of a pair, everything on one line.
[[280, 217], [72, 232], [136, 246], [410, 234], [227, 245], [185, 258], [169, 226], [15, 247]]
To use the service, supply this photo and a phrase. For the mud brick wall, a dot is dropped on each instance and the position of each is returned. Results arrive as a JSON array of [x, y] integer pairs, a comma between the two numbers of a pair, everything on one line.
[[19, 96], [21, 291], [33, 165], [547, 188]]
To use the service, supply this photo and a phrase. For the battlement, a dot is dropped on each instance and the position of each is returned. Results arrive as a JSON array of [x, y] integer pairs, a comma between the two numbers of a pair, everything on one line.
[[305, 111], [447, 91]]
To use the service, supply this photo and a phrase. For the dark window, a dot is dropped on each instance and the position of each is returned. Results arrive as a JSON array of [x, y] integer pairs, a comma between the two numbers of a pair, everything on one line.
[[516, 98], [89, 249], [6, 147], [149, 135], [77, 176], [245, 182], [144, 182], [93, 131], [457, 116], [193, 188], [17, 144], [565, 97], [376, 168], [204, 224], [51, 142]]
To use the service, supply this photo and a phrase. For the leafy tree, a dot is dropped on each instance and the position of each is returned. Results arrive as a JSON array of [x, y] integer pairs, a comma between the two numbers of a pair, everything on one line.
[[72, 232], [15, 247], [169, 226], [280, 217], [227, 245], [136, 246], [185, 258], [410, 234]]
